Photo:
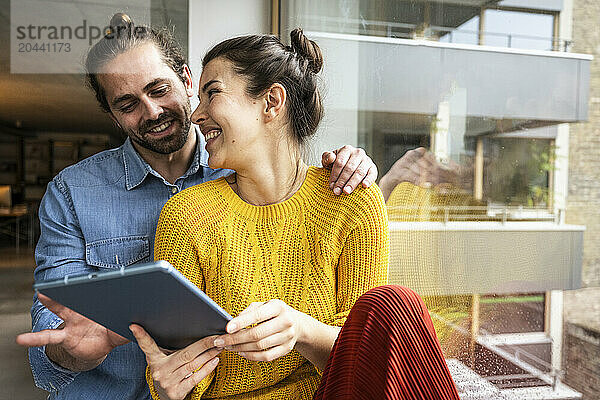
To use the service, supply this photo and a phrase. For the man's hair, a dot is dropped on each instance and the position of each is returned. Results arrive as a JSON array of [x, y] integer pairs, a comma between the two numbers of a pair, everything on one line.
[[121, 36], [264, 60]]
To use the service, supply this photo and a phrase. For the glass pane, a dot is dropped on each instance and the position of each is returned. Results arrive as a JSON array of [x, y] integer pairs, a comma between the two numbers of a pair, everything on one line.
[[477, 215], [518, 29], [467, 33], [518, 171], [472, 233]]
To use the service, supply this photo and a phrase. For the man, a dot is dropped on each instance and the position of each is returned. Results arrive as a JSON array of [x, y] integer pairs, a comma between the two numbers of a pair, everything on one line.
[[101, 213]]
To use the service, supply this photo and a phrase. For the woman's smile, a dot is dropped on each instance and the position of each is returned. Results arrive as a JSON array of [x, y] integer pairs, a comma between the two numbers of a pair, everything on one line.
[[211, 135]]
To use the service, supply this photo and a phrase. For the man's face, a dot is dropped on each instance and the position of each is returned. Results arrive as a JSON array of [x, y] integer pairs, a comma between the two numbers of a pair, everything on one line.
[[147, 99]]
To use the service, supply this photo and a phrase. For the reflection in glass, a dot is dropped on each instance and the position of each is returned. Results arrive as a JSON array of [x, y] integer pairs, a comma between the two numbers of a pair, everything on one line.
[[472, 221], [519, 171]]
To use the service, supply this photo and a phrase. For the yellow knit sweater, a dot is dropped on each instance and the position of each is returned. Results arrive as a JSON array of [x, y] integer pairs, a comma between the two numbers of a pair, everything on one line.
[[315, 251]]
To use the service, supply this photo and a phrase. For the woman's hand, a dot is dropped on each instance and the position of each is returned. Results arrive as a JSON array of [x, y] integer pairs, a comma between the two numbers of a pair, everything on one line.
[[278, 328], [176, 373]]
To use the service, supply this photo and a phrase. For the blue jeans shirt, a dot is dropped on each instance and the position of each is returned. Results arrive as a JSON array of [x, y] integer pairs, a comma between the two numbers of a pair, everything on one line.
[[97, 215]]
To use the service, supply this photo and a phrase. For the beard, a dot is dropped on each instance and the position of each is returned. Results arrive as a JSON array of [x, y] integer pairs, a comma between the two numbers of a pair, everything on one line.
[[167, 144]]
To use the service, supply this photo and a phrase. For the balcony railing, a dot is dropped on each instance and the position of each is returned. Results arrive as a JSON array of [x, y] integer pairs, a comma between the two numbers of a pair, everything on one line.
[[500, 213], [419, 31]]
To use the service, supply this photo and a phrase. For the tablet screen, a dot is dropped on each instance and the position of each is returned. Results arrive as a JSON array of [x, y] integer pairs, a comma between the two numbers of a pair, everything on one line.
[[155, 296]]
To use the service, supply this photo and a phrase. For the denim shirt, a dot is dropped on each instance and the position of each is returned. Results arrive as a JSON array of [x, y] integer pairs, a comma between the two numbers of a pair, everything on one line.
[[97, 215]]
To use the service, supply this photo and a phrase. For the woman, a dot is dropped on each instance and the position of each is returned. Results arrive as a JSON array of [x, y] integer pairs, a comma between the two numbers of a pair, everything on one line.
[[272, 245]]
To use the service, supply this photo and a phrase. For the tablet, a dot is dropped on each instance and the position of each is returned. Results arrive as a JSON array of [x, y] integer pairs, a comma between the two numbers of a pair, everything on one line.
[[156, 296]]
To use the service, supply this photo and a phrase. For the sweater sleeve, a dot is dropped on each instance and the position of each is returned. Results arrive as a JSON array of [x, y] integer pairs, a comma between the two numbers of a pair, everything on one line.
[[175, 243], [174, 240], [363, 263]]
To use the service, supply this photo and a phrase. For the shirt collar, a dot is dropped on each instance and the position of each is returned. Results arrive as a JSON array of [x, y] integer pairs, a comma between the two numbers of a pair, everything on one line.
[[136, 168], [201, 153]]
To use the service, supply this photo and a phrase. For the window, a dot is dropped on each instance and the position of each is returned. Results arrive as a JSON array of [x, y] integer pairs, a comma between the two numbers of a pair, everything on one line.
[[398, 76], [519, 30]]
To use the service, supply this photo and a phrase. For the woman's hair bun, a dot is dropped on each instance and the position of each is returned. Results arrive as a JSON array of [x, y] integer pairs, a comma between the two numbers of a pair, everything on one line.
[[307, 49]]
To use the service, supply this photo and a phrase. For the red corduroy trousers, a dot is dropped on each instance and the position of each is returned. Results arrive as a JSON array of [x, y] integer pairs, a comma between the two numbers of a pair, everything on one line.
[[387, 349]]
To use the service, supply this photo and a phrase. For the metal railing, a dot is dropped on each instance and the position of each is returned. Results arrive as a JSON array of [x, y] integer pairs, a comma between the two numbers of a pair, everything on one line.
[[446, 214], [555, 44], [416, 31], [520, 357]]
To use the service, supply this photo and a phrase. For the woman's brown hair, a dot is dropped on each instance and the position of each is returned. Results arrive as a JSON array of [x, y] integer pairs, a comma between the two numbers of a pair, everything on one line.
[[264, 60]]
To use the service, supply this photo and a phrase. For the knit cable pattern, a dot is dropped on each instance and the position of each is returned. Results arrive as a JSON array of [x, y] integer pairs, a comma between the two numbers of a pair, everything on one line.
[[315, 251]]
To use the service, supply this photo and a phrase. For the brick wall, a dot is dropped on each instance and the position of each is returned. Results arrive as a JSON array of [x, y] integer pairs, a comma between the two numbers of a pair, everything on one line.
[[581, 341], [581, 360], [583, 200]]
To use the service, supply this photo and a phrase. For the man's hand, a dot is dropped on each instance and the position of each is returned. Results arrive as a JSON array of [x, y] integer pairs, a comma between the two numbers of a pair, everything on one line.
[[349, 168], [79, 344], [176, 373], [420, 168]]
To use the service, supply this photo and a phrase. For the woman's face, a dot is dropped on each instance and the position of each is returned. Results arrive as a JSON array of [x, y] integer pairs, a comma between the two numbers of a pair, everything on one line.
[[230, 120]]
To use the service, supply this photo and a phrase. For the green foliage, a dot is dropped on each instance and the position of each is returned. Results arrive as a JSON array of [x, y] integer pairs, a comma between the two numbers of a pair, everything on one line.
[[518, 171], [543, 157]]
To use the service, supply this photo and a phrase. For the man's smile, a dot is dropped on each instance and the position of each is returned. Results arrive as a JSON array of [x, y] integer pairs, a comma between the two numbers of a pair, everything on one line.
[[161, 127]]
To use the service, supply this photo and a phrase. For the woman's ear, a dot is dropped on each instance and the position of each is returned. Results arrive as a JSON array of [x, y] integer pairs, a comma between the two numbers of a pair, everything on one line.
[[275, 99]]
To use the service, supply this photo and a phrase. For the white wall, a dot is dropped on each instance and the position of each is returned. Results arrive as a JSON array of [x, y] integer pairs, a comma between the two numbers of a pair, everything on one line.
[[340, 84], [561, 172], [565, 27], [212, 21], [552, 5]]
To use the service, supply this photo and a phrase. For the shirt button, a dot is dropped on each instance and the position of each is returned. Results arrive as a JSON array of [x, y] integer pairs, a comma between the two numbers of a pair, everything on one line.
[[173, 190]]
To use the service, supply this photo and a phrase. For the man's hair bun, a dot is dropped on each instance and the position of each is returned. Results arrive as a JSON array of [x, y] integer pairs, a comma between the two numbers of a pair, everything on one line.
[[307, 49], [120, 36], [120, 24], [121, 19]]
